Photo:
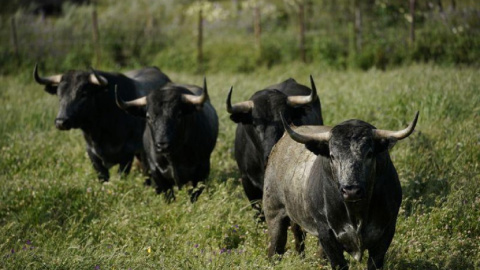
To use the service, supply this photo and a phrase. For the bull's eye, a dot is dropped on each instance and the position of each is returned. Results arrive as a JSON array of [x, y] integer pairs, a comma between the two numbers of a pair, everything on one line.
[[332, 157]]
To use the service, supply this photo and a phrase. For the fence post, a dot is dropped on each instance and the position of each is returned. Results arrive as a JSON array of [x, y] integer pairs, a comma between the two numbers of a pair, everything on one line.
[[200, 41], [14, 38], [96, 37]]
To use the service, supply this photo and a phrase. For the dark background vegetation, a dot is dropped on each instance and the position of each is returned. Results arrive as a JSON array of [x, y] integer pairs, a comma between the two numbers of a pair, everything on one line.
[[238, 36]]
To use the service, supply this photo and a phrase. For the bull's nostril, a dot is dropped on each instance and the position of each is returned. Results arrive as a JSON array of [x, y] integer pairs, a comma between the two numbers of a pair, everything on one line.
[[161, 146], [352, 192], [62, 123]]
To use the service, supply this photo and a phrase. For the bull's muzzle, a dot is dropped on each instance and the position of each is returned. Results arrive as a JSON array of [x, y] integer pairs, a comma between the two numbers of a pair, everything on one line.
[[162, 147], [63, 123], [352, 193]]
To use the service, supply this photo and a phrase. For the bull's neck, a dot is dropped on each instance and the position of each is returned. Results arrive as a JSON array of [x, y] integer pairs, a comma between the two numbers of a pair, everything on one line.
[[259, 146], [357, 212], [101, 116]]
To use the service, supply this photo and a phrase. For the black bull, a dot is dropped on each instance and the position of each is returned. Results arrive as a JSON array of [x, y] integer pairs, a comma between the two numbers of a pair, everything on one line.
[[259, 127], [180, 135], [87, 102], [338, 184]]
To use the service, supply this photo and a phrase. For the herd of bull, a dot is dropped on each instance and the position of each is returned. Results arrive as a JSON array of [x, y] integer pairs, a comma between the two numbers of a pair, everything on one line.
[[337, 183]]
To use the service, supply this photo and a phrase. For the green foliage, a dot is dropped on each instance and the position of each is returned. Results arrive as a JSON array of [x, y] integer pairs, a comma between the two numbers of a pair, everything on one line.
[[148, 32], [55, 215]]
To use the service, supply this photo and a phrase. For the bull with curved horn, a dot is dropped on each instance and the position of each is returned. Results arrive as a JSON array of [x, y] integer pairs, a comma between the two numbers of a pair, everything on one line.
[[180, 135], [259, 127], [86, 102], [338, 184]]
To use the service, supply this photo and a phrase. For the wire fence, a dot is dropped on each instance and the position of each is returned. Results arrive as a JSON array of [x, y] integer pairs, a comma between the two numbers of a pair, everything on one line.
[[80, 37]]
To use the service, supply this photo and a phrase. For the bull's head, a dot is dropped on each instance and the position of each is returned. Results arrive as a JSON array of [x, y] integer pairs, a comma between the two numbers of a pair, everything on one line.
[[352, 148], [259, 113], [76, 91], [166, 110]]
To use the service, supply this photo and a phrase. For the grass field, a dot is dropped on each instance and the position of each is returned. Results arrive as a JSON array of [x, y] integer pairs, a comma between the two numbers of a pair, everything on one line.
[[55, 215]]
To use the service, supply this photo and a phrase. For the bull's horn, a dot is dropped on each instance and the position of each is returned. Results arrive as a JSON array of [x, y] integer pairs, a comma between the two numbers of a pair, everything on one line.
[[400, 134], [197, 100], [305, 138], [97, 79], [139, 102], [55, 79], [303, 100], [241, 107]]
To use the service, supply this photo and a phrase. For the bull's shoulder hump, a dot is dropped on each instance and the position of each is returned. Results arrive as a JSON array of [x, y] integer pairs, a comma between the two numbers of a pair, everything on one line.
[[146, 73], [193, 89]]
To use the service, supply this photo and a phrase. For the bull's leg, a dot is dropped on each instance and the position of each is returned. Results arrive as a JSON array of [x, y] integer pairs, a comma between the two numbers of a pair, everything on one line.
[[299, 235], [125, 166], [142, 158], [163, 185], [254, 195], [102, 171], [277, 229], [196, 190], [377, 253], [332, 248], [320, 253], [200, 176]]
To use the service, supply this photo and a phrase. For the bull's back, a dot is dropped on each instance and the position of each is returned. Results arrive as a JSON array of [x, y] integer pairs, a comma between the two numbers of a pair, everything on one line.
[[147, 79]]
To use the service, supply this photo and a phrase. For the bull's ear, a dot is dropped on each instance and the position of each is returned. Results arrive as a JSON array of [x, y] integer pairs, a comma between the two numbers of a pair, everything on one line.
[[382, 145], [244, 118], [318, 148], [51, 89]]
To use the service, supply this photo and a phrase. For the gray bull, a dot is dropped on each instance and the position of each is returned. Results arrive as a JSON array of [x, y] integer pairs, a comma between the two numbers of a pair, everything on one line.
[[87, 102], [338, 184]]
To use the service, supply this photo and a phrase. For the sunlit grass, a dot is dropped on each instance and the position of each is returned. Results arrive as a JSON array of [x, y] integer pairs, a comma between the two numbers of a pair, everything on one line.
[[55, 215]]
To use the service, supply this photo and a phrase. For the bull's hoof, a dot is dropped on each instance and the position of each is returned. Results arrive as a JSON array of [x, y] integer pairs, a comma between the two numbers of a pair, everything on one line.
[[259, 217], [169, 195], [148, 182], [102, 179]]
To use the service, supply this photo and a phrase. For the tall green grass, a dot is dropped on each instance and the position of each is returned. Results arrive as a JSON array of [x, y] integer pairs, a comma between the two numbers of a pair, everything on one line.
[[55, 215]]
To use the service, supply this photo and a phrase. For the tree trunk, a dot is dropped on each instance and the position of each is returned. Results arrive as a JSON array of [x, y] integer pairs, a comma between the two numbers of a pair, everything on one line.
[[412, 24], [96, 37], [14, 38], [440, 6], [257, 27], [200, 42], [301, 20], [358, 26]]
